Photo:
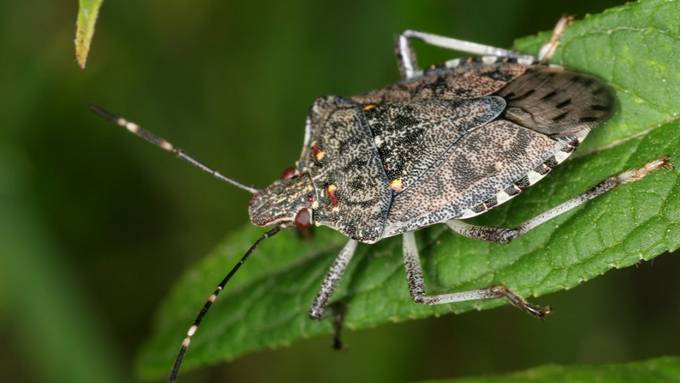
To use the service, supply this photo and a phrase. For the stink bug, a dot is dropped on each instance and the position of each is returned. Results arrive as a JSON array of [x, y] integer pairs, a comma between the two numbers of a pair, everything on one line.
[[439, 146]]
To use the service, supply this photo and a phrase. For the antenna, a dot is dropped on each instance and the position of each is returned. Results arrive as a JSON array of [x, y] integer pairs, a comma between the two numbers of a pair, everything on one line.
[[211, 299], [166, 145]]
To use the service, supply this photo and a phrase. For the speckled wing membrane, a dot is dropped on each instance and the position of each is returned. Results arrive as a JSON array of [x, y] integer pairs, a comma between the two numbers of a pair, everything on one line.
[[413, 138], [549, 112], [555, 101], [485, 163]]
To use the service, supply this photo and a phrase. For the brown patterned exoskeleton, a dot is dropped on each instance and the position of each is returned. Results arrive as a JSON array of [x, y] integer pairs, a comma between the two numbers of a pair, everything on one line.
[[440, 146]]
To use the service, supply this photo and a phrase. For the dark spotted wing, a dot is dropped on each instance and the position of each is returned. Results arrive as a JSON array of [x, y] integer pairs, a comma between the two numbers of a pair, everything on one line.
[[549, 111], [351, 186], [413, 138], [556, 102], [487, 162]]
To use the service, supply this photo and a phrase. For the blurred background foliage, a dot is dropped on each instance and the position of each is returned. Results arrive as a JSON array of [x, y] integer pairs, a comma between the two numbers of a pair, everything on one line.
[[95, 226]]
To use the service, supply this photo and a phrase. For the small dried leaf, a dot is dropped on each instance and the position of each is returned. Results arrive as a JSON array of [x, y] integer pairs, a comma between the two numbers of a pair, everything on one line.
[[87, 18]]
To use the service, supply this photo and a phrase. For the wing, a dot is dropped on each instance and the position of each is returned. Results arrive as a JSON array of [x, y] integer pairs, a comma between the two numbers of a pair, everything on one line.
[[488, 167], [549, 111], [458, 79], [556, 102], [413, 138], [351, 186]]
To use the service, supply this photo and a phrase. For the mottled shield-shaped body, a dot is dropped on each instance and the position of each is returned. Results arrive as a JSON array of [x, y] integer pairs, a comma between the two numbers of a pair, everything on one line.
[[452, 143], [352, 192]]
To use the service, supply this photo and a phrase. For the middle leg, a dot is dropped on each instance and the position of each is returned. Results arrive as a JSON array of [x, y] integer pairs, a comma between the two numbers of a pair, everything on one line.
[[416, 284], [408, 65], [406, 57]]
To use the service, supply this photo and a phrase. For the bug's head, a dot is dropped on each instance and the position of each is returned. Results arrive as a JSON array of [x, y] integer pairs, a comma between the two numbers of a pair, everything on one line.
[[287, 200]]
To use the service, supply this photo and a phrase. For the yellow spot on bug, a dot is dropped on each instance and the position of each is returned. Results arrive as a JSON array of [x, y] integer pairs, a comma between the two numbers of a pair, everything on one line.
[[397, 185], [330, 192], [319, 155], [368, 107]]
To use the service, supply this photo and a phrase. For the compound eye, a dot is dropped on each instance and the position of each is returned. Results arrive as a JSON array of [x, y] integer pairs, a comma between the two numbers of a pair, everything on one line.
[[289, 173], [303, 219]]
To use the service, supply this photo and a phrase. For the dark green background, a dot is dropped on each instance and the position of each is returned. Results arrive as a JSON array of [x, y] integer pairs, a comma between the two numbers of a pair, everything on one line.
[[95, 226]]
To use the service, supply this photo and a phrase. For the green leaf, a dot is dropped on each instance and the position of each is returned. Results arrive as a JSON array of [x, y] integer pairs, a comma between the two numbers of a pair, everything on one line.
[[636, 48], [87, 18], [659, 370]]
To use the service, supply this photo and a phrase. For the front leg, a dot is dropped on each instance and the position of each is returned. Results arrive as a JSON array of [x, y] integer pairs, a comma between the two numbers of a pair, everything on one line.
[[416, 285], [332, 279], [330, 282]]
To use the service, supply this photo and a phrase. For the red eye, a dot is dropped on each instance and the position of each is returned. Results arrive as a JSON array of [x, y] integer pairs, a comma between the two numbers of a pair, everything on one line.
[[289, 173], [303, 219]]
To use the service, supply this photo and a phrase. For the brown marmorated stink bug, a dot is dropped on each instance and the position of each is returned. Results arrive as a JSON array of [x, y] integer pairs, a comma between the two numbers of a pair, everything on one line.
[[439, 146]]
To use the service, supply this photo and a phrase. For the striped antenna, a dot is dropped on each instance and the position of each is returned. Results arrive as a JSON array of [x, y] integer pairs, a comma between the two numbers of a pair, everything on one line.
[[211, 299], [166, 145]]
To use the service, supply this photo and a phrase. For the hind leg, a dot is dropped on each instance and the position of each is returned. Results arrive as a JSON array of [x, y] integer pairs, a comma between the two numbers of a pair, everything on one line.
[[505, 235], [548, 50]]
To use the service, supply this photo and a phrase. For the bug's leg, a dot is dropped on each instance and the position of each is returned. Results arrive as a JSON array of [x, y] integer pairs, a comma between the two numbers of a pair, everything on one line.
[[416, 284], [548, 50], [331, 280], [505, 235], [305, 233], [338, 309], [406, 57]]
